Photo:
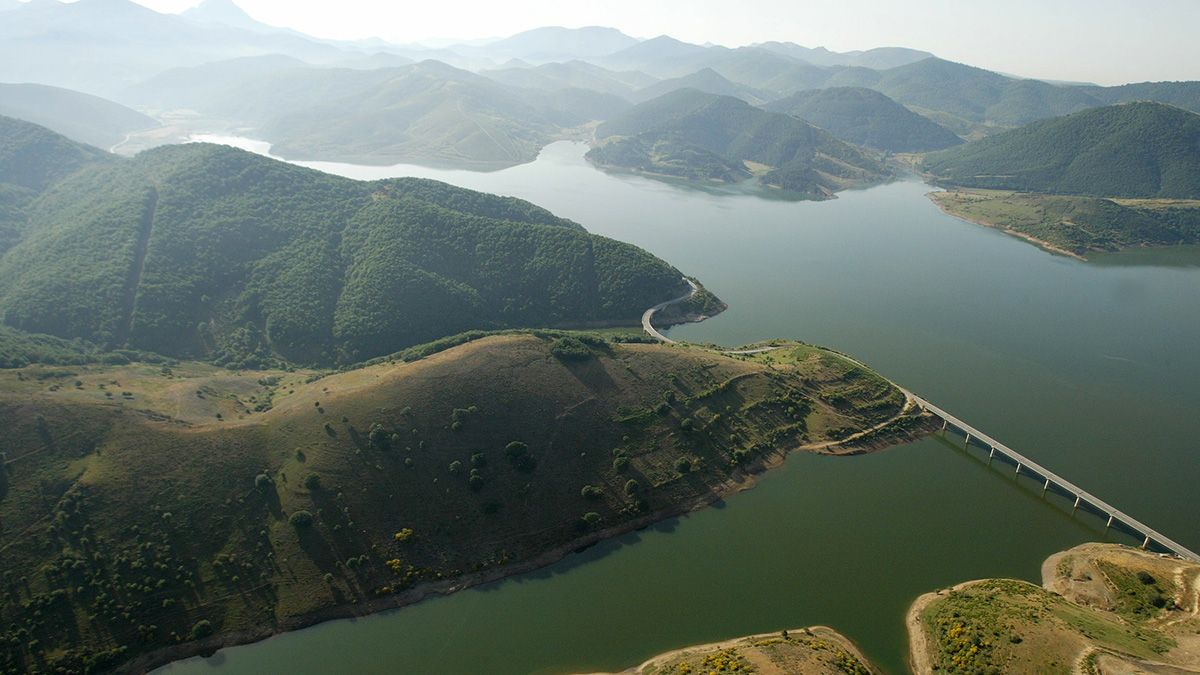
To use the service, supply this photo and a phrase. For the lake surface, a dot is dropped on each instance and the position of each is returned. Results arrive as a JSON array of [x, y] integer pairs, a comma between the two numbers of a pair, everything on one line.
[[1091, 368]]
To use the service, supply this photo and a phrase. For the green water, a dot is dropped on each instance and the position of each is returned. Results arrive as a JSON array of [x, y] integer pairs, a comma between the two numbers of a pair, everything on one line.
[[1091, 368]]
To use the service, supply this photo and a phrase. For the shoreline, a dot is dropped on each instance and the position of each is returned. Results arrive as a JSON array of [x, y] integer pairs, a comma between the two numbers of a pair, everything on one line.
[[1040, 243], [825, 632], [745, 478]]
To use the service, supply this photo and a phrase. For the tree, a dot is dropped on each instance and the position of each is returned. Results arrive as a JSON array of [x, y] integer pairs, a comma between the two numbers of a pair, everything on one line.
[[313, 482], [300, 518], [201, 629], [632, 487]]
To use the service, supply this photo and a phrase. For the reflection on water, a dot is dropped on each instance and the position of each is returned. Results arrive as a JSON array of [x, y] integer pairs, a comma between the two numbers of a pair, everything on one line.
[[1090, 368]]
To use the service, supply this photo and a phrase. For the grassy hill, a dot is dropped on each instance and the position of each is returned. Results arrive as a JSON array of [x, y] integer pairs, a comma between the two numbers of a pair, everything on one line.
[[817, 650], [267, 500], [81, 117], [212, 252], [1078, 225], [697, 135], [866, 117], [1102, 608], [1139, 150]]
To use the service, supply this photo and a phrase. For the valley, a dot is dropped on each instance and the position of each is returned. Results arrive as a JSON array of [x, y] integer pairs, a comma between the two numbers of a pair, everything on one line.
[[320, 345]]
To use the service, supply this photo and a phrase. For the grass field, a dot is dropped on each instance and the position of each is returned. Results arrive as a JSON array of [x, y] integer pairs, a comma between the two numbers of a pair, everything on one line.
[[151, 506], [813, 651], [1077, 225], [1101, 603]]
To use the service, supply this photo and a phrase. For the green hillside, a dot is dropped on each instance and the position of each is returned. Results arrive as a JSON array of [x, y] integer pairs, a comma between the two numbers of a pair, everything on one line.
[[81, 117], [1141, 150], [31, 159], [866, 117], [267, 500], [970, 94], [212, 252], [697, 135]]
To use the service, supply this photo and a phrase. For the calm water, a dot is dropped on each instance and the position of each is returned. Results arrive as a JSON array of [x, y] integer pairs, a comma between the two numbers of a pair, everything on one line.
[[1092, 368]]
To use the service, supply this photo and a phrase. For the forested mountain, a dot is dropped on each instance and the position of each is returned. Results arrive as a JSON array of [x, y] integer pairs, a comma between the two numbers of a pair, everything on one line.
[[575, 74], [971, 94], [697, 135], [866, 117], [1144, 149], [31, 159], [208, 251], [880, 58], [426, 112], [706, 80], [81, 117]]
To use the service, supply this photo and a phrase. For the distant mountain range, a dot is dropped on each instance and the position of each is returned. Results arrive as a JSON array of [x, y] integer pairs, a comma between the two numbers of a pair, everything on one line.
[[696, 135], [81, 117]]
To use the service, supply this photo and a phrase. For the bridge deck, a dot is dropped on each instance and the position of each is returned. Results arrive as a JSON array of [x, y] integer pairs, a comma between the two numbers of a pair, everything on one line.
[[1146, 531]]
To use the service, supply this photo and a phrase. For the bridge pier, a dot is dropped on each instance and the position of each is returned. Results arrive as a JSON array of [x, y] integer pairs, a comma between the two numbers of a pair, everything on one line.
[[945, 424], [1146, 542], [1018, 471], [1109, 523], [1046, 486], [1077, 498], [968, 441]]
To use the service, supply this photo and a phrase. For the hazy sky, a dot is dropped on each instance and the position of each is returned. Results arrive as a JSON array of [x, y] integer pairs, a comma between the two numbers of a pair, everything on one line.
[[1105, 41]]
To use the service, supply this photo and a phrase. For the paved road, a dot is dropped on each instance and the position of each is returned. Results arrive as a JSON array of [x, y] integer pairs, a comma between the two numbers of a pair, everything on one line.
[[649, 314]]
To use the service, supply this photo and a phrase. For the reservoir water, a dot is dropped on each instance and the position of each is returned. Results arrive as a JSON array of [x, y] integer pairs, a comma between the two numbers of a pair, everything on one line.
[[1092, 368]]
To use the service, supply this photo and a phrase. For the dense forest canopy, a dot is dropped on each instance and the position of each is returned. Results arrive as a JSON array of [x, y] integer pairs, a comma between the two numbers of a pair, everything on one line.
[[1147, 150], [204, 250]]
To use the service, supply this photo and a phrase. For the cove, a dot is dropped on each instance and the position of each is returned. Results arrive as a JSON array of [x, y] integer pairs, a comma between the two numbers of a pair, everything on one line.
[[1090, 368]]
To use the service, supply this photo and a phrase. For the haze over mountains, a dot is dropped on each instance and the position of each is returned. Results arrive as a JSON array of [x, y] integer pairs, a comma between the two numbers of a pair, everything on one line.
[[489, 103]]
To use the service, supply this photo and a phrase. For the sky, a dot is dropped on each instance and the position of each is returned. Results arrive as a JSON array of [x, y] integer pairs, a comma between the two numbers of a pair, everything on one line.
[[1102, 41]]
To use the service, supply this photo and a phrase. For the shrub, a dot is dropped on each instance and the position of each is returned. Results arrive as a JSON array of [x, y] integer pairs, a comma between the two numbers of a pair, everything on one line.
[[620, 464], [515, 449], [1145, 577], [379, 436], [201, 629], [478, 460], [262, 481], [456, 467], [590, 519], [632, 487], [300, 518], [475, 480], [404, 534], [591, 492], [313, 482], [570, 348], [687, 424], [683, 465]]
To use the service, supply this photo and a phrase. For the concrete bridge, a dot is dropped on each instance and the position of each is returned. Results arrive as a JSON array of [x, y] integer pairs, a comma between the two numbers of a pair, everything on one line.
[[1053, 480], [1023, 463]]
